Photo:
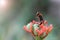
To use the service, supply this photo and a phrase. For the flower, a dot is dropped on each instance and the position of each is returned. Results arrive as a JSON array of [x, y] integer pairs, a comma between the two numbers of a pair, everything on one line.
[[28, 28], [49, 28], [25, 28], [37, 29]]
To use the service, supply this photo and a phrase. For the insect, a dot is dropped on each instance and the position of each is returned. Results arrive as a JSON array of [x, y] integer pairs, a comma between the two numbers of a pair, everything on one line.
[[40, 17]]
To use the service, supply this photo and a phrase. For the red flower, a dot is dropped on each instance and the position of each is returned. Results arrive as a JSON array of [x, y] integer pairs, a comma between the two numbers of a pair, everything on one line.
[[25, 28], [49, 28], [41, 26], [44, 29], [41, 30]]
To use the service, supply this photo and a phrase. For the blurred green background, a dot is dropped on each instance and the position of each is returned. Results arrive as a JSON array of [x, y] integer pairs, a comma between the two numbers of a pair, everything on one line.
[[14, 14]]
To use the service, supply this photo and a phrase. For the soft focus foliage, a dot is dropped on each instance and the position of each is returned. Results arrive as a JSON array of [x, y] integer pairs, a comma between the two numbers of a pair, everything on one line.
[[16, 13]]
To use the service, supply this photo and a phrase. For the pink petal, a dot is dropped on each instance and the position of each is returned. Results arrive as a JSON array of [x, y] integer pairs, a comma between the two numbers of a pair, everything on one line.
[[41, 26], [45, 22], [25, 28], [50, 28], [33, 21]]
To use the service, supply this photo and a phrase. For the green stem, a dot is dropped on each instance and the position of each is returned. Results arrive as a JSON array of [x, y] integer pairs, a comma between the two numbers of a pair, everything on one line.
[[38, 38]]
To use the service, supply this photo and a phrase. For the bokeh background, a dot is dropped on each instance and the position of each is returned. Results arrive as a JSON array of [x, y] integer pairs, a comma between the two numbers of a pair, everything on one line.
[[14, 14]]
